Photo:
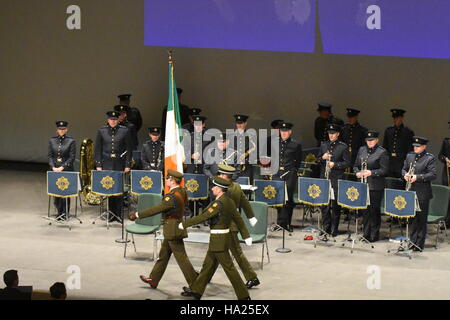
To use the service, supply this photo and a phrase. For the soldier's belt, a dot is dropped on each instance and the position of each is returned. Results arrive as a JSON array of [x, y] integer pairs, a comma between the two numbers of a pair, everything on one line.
[[59, 160], [219, 231], [393, 154], [111, 155]]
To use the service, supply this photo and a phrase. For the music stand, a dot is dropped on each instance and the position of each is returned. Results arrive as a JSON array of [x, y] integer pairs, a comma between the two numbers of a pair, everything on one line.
[[402, 202], [355, 237], [57, 190]]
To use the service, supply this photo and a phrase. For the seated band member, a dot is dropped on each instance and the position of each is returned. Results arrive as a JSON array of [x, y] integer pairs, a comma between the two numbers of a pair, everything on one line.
[[123, 121], [240, 200], [219, 152], [113, 152], [335, 153], [376, 161], [61, 156], [152, 155], [220, 214], [172, 208], [423, 169]]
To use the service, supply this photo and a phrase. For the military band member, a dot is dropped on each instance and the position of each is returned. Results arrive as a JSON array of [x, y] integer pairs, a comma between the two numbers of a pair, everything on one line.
[[225, 155], [290, 157], [152, 155], [275, 125], [61, 156], [192, 113], [398, 142], [338, 156], [323, 120], [113, 152], [353, 133], [184, 113], [240, 200], [423, 166], [245, 143], [133, 114], [194, 145], [376, 161], [444, 157], [123, 121], [220, 214], [172, 208]]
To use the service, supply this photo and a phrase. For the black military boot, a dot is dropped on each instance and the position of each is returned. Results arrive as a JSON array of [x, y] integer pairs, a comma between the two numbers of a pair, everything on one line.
[[252, 283]]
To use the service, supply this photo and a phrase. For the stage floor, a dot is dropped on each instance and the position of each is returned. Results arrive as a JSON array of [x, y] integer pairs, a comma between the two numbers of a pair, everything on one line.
[[42, 253]]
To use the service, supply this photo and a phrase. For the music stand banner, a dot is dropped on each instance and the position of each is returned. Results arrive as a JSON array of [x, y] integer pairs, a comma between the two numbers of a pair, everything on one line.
[[353, 195], [63, 184], [310, 155], [107, 183], [196, 186], [400, 203], [272, 192], [314, 192], [243, 181], [146, 182]]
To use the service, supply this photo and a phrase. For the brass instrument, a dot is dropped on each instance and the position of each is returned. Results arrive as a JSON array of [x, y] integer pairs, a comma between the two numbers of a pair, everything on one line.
[[409, 175], [363, 169], [246, 155], [86, 167], [327, 166]]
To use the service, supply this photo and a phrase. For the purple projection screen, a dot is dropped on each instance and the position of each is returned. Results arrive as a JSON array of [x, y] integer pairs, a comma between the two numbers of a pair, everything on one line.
[[274, 25], [404, 28]]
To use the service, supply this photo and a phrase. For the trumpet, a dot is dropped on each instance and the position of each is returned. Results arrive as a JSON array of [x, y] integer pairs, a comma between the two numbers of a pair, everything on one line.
[[409, 175], [363, 170], [327, 166]]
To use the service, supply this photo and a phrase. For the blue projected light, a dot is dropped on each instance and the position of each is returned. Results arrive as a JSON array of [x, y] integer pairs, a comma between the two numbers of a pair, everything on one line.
[[404, 28]]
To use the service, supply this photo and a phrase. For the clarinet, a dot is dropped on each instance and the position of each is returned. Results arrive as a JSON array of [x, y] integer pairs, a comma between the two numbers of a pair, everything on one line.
[[447, 160]]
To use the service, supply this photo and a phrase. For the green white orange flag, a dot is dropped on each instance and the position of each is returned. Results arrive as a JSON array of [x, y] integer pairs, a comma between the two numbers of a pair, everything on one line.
[[173, 148]]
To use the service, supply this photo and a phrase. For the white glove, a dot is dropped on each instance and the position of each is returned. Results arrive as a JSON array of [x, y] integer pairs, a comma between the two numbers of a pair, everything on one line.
[[180, 226], [248, 241], [253, 221]]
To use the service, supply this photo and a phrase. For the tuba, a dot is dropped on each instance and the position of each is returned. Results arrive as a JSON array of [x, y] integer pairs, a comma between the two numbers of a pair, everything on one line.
[[86, 167]]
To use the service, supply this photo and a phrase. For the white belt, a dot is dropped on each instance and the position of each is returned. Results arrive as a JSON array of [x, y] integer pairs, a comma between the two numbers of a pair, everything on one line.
[[219, 231]]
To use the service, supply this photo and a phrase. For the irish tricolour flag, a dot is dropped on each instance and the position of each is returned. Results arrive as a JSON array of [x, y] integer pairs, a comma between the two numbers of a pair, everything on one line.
[[173, 148]]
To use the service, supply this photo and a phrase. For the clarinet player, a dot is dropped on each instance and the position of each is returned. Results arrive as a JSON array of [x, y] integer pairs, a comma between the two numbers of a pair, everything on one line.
[[372, 165], [419, 170]]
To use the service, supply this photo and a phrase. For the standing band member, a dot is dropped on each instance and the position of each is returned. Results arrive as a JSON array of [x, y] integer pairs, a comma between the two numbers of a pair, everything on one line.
[[194, 145], [152, 155], [334, 154], [322, 121], [220, 213], [353, 133], [123, 121], [240, 200], [172, 207], [444, 157], [423, 167], [398, 142], [133, 113], [376, 161], [290, 157], [61, 156], [113, 152]]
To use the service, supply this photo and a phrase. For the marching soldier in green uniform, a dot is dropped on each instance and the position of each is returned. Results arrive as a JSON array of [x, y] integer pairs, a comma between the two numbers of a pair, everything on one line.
[[172, 208], [237, 195], [220, 213]]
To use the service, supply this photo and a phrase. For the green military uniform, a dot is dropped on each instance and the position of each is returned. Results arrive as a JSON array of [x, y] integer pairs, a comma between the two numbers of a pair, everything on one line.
[[240, 200], [172, 208], [220, 213]]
